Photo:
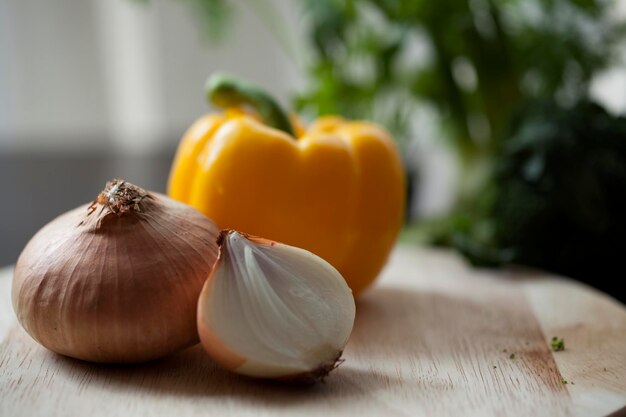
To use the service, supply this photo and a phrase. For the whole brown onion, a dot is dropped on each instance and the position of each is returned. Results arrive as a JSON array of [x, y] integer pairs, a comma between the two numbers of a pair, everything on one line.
[[116, 280]]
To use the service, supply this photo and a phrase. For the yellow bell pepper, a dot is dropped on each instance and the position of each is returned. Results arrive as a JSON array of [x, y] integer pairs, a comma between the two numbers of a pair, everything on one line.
[[336, 188]]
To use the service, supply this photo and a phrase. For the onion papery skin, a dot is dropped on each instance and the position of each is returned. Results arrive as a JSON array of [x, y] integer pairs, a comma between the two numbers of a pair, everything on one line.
[[116, 287]]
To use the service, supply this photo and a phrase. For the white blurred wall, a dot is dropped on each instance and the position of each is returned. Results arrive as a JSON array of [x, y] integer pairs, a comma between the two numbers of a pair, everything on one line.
[[77, 73]]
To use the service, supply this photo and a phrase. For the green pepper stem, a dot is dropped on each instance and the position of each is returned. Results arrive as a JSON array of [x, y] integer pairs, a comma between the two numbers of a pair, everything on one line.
[[226, 91]]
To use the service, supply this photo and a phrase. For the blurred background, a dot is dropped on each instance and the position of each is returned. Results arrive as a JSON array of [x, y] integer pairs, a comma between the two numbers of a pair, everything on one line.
[[91, 90], [507, 112]]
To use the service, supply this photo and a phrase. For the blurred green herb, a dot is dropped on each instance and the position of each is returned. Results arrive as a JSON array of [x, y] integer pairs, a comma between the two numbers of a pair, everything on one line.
[[557, 344], [475, 61], [215, 14]]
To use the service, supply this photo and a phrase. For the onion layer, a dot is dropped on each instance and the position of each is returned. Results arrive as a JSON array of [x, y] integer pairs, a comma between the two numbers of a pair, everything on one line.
[[270, 310]]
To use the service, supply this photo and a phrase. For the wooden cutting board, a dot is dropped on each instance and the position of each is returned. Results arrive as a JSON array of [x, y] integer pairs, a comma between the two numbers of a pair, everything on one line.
[[433, 338]]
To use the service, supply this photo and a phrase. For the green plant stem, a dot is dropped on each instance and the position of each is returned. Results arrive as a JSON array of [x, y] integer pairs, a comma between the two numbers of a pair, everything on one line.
[[225, 91]]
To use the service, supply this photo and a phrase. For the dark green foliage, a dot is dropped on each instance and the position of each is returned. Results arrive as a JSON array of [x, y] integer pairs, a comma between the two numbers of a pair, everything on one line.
[[366, 65], [557, 198]]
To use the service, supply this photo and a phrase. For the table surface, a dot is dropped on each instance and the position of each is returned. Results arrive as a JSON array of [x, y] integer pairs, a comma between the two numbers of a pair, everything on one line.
[[433, 337]]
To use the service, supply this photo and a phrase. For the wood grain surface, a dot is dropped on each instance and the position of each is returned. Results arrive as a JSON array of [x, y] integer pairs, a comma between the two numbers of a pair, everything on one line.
[[432, 338]]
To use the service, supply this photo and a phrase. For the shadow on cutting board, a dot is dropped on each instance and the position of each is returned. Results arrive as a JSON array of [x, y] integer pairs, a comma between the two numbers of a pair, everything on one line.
[[192, 373], [423, 328], [386, 318]]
